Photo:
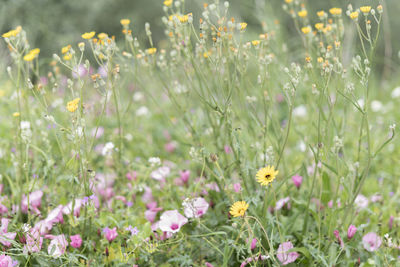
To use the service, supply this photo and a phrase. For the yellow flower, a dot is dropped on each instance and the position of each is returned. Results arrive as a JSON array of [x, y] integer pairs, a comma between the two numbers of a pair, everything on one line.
[[151, 51], [12, 33], [319, 26], [125, 22], [354, 15], [72, 106], [34, 51], [335, 11], [255, 42], [320, 59], [16, 114], [29, 57], [238, 209], [88, 35], [168, 3], [365, 9], [205, 54], [302, 13], [243, 25], [288, 1], [102, 35], [266, 175], [306, 29], [183, 18], [379, 8], [321, 13], [65, 49], [67, 57]]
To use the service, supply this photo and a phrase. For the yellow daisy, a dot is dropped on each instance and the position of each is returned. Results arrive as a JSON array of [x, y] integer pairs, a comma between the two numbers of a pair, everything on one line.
[[88, 35], [238, 209], [266, 175]]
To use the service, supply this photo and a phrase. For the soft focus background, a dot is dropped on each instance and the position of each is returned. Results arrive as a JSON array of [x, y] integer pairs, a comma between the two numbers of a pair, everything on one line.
[[51, 24]]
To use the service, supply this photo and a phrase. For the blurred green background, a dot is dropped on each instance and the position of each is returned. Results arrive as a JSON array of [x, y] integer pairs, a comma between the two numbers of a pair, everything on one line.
[[51, 24]]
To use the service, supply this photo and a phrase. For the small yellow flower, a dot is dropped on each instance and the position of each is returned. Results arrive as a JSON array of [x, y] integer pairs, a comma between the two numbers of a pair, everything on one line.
[[72, 106], [205, 54], [302, 13], [102, 35], [67, 57], [266, 175], [125, 22], [335, 11], [306, 30], [151, 51], [321, 13], [16, 114], [255, 42], [365, 9], [319, 26], [88, 35], [183, 18], [243, 26], [238, 209], [29, 57], [288, 1], [320, 59], [168, 3], [34, 51], [354, 15], [379, 8], [65, 49], [12, 33]]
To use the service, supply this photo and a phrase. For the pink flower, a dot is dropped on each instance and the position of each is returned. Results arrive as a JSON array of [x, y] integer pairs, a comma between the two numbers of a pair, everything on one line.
[[282, 202], [371, 241], [110, 234], [160, 174], [195, 208], [55, 216], [171, 221], [237, 187], [361, 202], [151, 214], [170, 146], [185, 175], [57, 246], [351, 231], [251, 259], [6, 261], [76, 241], [284, 256], [77, 207], [209, 264], [33, 241], [147, 195], [6, 237], [35, 200], [297, 180], [336, 233], [253, 244], [227, 149], [131, 175]]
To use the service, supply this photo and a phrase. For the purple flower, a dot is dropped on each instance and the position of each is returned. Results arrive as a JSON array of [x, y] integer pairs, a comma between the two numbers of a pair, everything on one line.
[[110, 234], [76, 241], [351, 231], [371, 241], [171, 221], [133, 230], [297, 180], [284, 256], [195, 208]]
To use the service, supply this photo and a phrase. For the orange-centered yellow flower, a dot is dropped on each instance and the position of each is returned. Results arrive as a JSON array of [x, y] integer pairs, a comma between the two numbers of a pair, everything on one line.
[[72, 106], [319, 26], [365, 9], [306, 29], [266, 175], [321, 13], [125, 22], [243, 25], [238, 209], [65, 49], [354, 15], [255, 42], [88, 35], [151, 51]]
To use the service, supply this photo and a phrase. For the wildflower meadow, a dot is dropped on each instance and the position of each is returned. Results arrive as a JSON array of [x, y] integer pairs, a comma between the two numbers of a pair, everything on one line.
[[223, 140]]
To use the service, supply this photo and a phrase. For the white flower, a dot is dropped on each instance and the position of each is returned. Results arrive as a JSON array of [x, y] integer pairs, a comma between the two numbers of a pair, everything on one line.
[[376, 106], [361, 202], [171, 221], [142, 111], [396, 92], [300, 111], [107, 149], [160, 174], [195, 208], [154, 161]]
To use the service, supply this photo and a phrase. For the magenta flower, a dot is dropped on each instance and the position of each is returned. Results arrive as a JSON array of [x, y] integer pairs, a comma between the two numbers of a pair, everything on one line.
[[110, 234], [284, 256], [297, 180], [337, 235], [351, 231], [35, 200], [237, 187], [76, 241], [185, 175], [57, 246], [251, 259], [228, 149], [6, 237], [33, 241], [371, 241], [195, 208], [253, 244], [171, 221]]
